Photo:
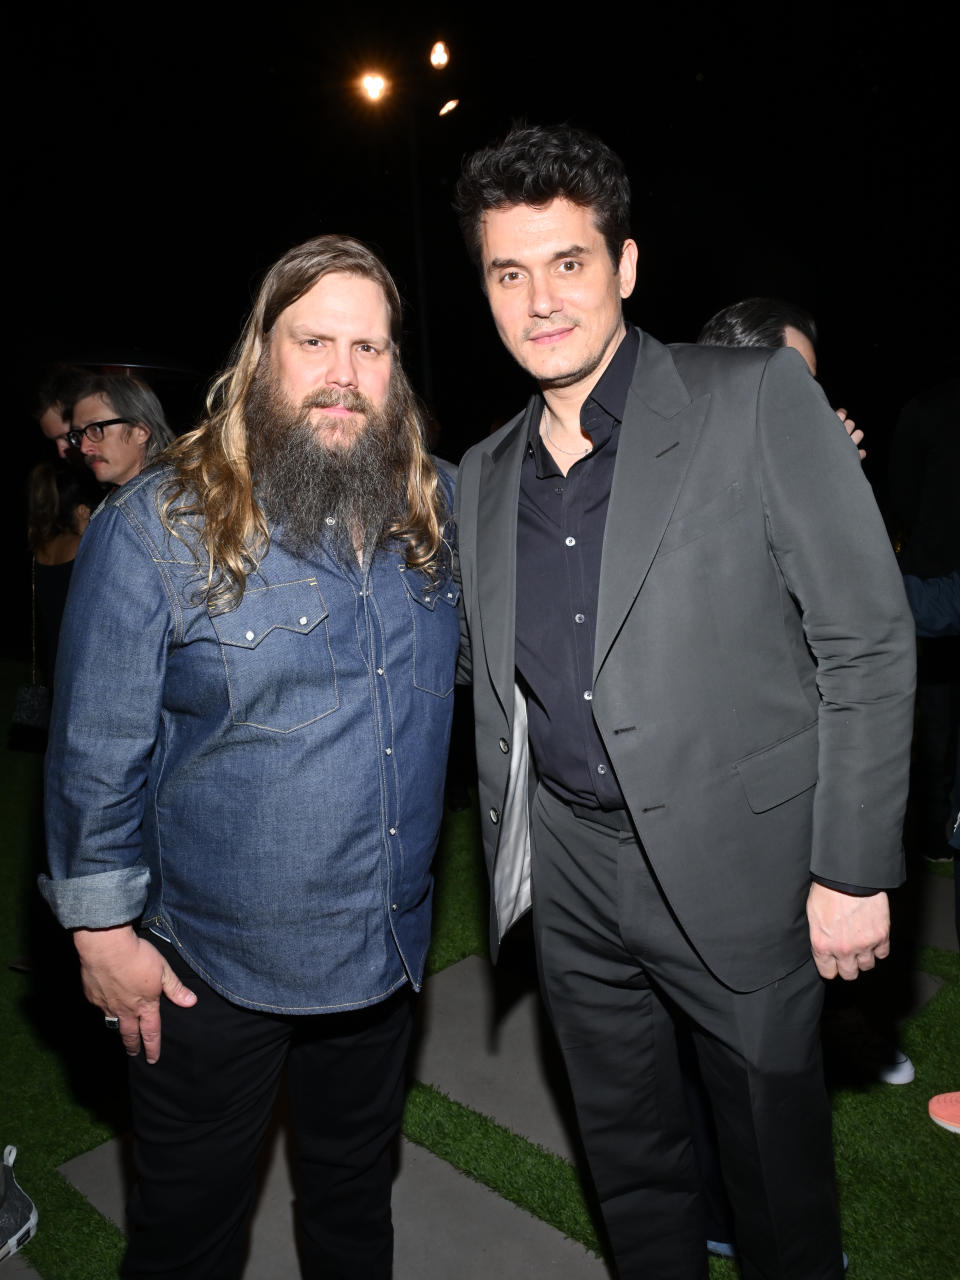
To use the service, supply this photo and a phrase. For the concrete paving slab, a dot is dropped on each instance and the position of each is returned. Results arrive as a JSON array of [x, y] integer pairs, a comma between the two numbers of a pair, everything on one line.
[[485, 1042], [17, 1265], [445, 1224]]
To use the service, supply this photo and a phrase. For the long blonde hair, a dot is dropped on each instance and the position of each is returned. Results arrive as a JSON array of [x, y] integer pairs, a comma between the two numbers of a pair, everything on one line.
[[211, 489]]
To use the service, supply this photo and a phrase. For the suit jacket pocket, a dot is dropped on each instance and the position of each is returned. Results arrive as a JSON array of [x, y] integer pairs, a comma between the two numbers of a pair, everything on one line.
[[695, 524], [780, 772]]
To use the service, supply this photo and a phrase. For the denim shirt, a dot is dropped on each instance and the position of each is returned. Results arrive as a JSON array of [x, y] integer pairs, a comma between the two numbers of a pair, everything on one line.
[[263, 787]]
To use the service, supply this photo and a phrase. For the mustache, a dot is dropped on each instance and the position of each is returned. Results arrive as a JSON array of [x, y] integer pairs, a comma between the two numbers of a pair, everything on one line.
[[553, 322], [328, 397]]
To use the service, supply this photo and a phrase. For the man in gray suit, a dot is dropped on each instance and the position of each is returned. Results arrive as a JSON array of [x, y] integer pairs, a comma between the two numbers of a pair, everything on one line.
[[693, 675]]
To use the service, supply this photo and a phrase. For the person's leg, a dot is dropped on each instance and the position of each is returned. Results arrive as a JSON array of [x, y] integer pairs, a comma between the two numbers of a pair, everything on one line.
[[618, 1044], [347, 1088], [199, 1116], [703, 1130], [762, 1069], [759, 1055]]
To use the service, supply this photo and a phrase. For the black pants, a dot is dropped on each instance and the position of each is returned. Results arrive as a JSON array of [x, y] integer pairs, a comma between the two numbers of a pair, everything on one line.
[[199, 1118], [613, 963]]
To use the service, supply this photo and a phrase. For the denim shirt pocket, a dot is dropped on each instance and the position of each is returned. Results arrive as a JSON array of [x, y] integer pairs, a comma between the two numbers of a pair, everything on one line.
[[277, 656], [436, 631]]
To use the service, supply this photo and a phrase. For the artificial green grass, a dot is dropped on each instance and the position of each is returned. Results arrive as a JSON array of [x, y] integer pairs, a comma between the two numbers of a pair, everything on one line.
[[62, 1087], [460, 912], [544, 1184]]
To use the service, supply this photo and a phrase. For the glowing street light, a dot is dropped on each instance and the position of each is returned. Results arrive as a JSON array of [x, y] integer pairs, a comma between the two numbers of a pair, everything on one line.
[[414, 94], [374, 86]]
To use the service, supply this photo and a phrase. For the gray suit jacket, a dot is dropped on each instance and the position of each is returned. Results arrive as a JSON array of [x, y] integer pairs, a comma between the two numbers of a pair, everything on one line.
[[754, 655]]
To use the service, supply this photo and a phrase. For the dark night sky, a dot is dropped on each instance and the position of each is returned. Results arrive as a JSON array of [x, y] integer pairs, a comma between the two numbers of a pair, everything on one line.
[[163, 157]]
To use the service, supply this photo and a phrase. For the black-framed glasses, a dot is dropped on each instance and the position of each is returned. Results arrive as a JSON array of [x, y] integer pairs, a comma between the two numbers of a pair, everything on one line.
[[94, 430]]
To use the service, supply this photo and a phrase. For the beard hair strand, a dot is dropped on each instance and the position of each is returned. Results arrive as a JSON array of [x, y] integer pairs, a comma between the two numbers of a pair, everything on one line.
[[302, 483]]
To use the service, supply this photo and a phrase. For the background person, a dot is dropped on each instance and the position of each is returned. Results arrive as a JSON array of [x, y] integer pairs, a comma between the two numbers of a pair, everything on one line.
[[56, 393], [118, 424], [771, 322], [60, 501]]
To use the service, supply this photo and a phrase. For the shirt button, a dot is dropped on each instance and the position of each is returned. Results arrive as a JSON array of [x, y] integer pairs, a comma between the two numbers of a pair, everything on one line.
[[393, 831], [588, 695], [504, 746], [379, 671], [571, 542], [250, 635], [393, 906], [426, 599], [389, 751], [331, 520], [494, 816], [578, 617], [449, 595], [601, 769], [303, 621]]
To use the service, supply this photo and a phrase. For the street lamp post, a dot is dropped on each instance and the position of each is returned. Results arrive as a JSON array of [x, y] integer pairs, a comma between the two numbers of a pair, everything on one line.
[[375, 86]]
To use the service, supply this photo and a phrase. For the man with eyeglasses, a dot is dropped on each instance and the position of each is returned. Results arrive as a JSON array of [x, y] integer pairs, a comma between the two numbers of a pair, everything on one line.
[[118, 425]]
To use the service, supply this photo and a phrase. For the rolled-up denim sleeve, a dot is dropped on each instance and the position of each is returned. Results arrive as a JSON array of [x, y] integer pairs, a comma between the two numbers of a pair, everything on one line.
[[118, 626]]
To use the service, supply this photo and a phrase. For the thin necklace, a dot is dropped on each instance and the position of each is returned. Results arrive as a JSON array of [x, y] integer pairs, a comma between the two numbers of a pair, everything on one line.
[[571, 453]]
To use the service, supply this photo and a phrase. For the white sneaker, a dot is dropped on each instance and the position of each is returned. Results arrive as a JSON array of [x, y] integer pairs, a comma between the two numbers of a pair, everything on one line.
[[18, 1213], [899, 1070]]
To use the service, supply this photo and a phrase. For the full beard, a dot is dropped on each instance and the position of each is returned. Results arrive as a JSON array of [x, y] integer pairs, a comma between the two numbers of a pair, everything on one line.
[[348, 493]]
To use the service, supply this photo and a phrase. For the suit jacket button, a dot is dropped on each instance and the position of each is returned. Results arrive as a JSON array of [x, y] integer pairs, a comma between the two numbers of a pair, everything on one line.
[[504, 746], [494, 816]]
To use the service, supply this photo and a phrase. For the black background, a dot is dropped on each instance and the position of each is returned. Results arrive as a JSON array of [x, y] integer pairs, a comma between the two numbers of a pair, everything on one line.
[[162, 157]]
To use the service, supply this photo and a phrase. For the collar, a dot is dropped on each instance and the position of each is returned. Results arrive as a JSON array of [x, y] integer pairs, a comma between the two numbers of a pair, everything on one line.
[[609, 396]]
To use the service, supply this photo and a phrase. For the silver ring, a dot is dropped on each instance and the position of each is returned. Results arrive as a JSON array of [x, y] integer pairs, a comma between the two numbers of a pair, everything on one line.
[[111, 1023]]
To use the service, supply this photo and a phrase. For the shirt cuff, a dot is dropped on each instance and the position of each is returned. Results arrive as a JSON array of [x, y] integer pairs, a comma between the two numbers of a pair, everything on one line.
[[98, 901], [855, 890]]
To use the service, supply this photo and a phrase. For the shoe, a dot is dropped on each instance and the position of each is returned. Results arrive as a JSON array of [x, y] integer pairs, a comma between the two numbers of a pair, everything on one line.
[[720, 1249], [18, 1213], [945, 1111], [899, 1070]]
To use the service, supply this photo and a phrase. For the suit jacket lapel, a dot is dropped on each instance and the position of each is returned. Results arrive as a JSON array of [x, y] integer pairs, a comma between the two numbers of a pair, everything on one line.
[[497, 558], [660, 428]]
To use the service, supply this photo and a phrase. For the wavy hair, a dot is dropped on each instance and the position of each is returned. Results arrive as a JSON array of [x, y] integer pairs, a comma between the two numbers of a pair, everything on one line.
[[209, 499], [535, 164], [54, 492]]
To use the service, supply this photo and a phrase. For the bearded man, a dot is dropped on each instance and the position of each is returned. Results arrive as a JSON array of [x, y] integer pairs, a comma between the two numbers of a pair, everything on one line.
[[245, 774]]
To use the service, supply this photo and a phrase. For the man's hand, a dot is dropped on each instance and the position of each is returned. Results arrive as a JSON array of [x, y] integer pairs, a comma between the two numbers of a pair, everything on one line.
[[847, 933], [124, 976], [853, 431]]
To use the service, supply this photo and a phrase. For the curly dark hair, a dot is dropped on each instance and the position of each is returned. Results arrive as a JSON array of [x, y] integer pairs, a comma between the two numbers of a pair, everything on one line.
[[535, 164]]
